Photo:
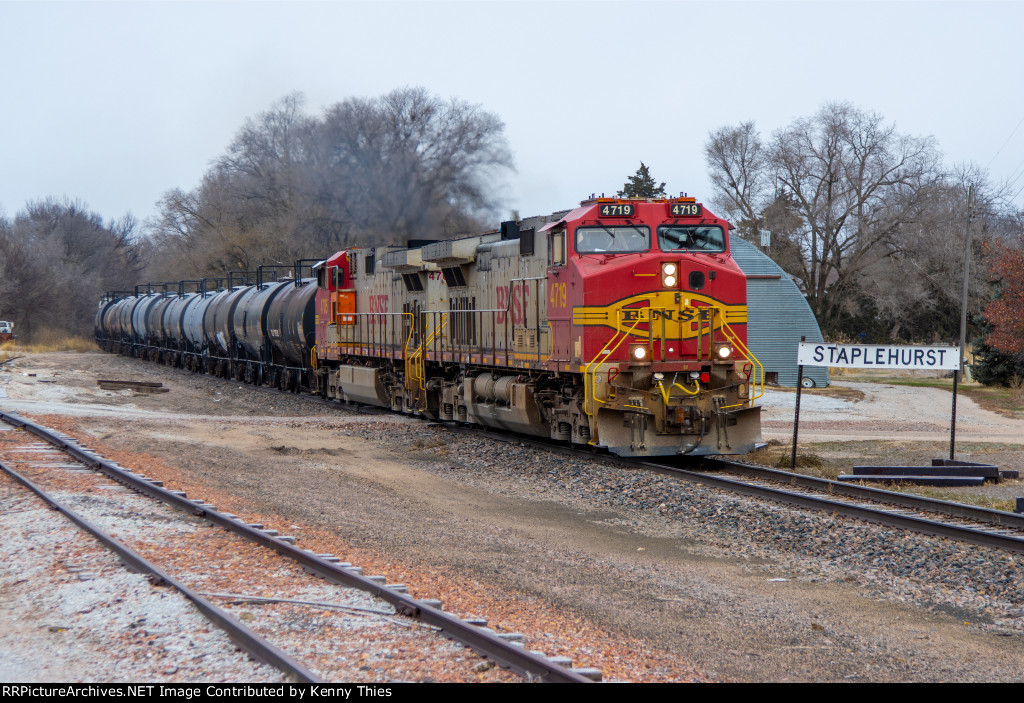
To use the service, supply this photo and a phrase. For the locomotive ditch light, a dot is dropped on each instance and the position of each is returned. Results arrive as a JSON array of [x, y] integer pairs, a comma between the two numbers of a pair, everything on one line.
[[638, 352], [724, 353]]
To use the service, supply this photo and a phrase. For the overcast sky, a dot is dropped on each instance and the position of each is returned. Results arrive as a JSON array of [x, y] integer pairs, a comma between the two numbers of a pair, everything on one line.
[[114, 103]]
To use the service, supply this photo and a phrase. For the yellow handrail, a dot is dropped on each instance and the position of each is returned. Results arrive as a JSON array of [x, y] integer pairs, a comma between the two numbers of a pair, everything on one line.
[[738, 343], [605, 352], [423, 345], [406, 360]]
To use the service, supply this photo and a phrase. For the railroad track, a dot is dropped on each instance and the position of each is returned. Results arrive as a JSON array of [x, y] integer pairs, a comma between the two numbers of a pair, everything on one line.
[[46, 473], [966, 523], [930, 516], [999, 529]]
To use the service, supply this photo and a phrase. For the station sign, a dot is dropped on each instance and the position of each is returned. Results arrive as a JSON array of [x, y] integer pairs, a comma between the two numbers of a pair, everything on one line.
[[879, 356]]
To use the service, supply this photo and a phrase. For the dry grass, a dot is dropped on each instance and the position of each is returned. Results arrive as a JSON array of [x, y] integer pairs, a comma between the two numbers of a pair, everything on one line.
[[939, 493], [1016, 393], [780, 456], [48, 342], [1008, 402]]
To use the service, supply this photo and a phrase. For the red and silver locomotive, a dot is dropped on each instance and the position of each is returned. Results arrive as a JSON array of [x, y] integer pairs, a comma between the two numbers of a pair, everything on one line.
[[620, 324]]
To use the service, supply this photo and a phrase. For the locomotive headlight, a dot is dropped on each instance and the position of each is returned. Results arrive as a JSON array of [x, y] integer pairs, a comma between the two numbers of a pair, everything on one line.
[[668, 275]]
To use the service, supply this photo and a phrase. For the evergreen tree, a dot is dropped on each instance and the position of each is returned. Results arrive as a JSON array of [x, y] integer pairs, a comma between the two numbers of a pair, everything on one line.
[[641, 185]]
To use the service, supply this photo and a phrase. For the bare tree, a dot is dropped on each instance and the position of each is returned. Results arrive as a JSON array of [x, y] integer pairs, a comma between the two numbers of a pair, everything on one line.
[[410, 165], [407, 165], [58, 258], [854, 182], [917, 285], [741, 175]]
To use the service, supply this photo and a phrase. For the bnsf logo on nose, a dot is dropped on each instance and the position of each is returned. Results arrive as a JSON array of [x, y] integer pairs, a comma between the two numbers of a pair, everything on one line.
[[378, 303]]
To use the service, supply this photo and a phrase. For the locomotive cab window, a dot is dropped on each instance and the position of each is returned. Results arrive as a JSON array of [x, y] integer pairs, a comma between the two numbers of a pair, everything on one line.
[[556, 248], [620, 239], [691, 238]]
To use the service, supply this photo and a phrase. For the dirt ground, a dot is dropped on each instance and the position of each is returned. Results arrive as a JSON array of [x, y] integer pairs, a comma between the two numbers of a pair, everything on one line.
[[628, 582]]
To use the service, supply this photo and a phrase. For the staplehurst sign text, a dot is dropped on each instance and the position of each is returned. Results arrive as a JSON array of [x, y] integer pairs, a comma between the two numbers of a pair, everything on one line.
[[879, 356]]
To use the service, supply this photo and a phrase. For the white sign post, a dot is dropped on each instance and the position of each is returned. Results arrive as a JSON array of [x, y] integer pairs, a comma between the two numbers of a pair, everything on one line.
[[873, 356]]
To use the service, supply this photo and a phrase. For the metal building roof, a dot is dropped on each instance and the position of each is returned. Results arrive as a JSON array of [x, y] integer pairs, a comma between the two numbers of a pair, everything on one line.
[[777, 315]]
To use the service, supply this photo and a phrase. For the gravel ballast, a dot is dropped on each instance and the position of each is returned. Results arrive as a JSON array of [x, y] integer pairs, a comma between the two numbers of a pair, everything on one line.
[[642, 577]]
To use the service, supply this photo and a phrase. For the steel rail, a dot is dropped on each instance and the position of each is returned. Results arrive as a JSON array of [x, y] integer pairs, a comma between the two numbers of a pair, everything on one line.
[[852, 490], [972, 535], [237, 631], [876, 515], [518, 659]]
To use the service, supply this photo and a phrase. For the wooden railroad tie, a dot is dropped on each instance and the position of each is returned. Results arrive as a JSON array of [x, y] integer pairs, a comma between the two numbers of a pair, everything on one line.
[[136, 386]]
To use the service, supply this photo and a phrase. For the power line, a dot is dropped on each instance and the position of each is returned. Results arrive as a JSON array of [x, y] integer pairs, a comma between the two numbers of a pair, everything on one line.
[[1006, 142], [1015, 175]]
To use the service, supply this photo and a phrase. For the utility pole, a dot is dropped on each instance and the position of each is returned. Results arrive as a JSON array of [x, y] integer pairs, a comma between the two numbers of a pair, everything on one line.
[[963, 319]]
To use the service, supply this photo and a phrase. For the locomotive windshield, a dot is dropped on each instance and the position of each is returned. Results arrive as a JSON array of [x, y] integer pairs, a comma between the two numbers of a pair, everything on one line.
[[691, 237], [620, 239]]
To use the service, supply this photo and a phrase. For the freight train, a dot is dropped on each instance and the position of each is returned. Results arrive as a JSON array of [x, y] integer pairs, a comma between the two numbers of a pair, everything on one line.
[[620, 324]]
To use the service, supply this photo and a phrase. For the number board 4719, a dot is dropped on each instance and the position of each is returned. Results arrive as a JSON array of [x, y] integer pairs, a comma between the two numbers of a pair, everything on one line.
[[618, 210], [685, 209]]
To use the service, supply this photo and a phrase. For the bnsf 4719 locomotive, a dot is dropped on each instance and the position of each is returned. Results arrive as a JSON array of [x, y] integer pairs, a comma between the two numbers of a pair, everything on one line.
[[620, 324]]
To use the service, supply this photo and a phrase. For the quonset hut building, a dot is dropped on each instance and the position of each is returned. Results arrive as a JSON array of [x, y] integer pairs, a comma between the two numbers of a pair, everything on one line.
[[777, 317]]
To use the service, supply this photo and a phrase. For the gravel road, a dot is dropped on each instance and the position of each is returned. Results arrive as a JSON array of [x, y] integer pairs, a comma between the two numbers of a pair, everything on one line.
[[646, 579], [904, 413]]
